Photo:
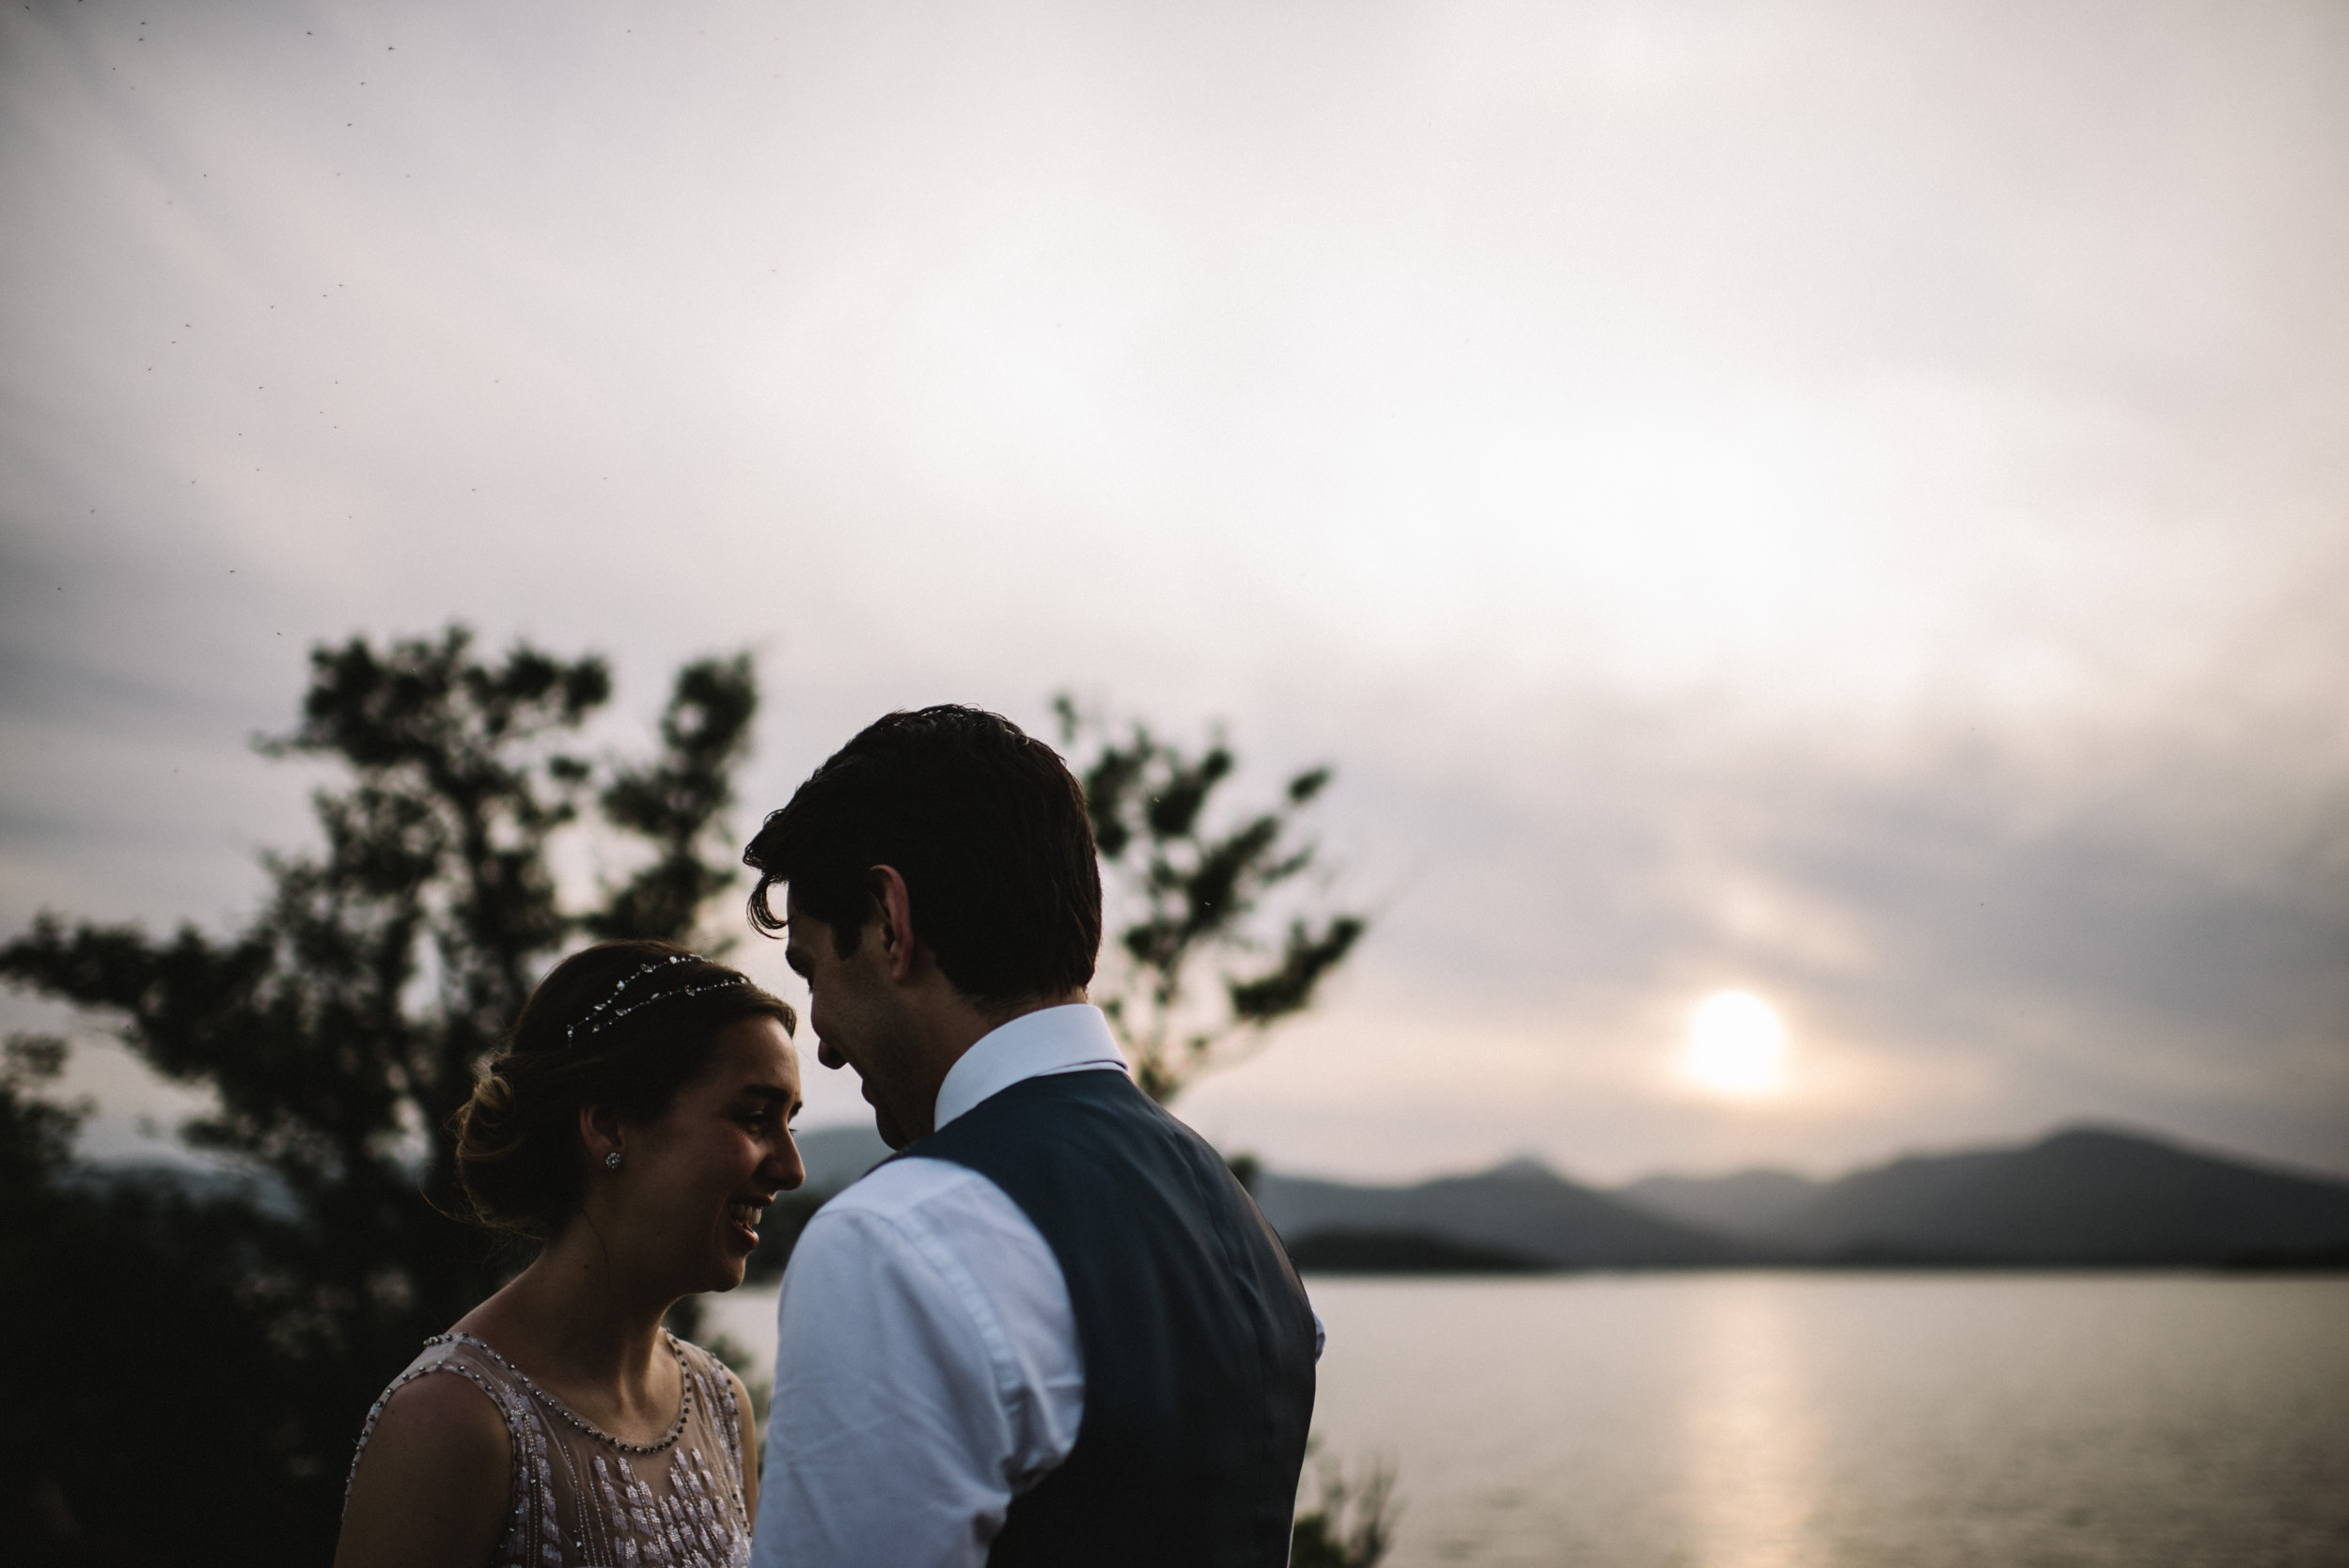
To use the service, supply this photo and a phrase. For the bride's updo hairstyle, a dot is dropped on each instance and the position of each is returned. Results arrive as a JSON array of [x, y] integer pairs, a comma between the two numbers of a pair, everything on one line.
[[622, 1026]]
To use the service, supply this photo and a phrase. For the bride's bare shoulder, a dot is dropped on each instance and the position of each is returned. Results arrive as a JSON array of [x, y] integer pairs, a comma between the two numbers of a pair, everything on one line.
[[432, 1484], [445, 1405]]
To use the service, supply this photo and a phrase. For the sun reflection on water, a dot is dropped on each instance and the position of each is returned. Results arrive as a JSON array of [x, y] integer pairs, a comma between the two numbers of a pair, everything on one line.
[[1750, 1433]]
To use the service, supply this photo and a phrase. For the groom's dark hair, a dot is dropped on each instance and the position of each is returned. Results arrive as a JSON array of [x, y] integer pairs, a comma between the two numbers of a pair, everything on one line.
[[985, 824]]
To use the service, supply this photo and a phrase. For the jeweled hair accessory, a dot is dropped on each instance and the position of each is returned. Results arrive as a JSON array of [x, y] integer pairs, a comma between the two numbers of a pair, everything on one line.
[[603, 1015]]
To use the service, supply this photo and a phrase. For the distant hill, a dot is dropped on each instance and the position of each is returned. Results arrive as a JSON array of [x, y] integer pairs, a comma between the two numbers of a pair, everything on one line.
[[263, 1190], [1750, 1205], [2084, 1195], [835, 1157], [1522, 1209], [1402, 1252]]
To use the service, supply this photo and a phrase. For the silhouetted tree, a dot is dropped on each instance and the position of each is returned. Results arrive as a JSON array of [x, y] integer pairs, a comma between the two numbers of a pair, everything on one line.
[[1348, 1524], [1184, 896], [677, 803], [343, 1026]]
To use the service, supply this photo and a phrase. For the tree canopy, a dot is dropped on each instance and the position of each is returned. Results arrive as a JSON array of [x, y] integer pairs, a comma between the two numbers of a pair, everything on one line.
[[1197, 970], [343, 1026]]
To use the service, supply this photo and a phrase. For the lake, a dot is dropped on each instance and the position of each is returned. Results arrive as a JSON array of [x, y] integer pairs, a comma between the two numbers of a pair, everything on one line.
[[1825, 1419]]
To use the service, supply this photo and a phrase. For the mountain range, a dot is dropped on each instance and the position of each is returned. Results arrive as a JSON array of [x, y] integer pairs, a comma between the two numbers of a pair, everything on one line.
[[2082, 1197], [835, 1157], [2085, 1197], [1520, 1209]]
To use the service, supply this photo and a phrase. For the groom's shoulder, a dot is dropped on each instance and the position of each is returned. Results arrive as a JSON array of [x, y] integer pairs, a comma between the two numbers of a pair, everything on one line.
[[904, 1183], [920, 1199], [916, 1218]]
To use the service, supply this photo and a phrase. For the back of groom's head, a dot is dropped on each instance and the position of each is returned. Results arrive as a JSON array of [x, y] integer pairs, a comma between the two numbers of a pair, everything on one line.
[[985, 824]]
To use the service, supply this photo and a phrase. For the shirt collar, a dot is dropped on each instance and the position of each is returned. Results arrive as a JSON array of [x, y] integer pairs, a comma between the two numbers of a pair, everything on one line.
[[1033, 1045]]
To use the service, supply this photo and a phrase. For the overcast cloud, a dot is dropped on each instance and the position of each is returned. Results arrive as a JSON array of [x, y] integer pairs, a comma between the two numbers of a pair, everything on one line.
[[1841, 501]]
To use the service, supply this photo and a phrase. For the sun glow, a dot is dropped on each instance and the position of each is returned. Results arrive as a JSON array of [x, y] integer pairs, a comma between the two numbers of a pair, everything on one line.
[[1736, 1046]]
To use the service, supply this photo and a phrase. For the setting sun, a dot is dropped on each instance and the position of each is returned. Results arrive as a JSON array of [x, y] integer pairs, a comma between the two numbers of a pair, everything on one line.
[[1736, 1045]]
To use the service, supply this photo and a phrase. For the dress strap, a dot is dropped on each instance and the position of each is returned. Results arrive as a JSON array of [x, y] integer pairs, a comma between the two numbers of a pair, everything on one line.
[[529, 1495]]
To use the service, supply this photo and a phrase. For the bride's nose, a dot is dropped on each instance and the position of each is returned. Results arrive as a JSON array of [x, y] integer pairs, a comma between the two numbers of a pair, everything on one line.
[[784, 1167]]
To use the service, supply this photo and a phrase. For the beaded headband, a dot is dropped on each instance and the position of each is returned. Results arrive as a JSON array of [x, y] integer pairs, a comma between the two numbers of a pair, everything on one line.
[[602, 1016]]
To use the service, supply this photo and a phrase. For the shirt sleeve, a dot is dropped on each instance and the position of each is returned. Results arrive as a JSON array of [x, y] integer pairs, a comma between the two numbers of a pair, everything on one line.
[[927, 1372]]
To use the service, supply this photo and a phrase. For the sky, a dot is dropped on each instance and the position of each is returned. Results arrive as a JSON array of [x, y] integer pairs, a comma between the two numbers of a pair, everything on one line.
[[1835, 502]]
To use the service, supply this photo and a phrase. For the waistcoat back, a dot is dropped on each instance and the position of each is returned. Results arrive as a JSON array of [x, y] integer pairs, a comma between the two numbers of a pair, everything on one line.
[[1198, 1340]]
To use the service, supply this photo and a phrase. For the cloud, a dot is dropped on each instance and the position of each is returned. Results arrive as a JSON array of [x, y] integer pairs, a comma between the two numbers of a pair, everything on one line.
[[1969, 939], [1837, 501]]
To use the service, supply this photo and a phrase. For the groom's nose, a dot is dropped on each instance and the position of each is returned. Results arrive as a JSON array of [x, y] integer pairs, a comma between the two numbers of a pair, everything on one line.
[[830, 1058]]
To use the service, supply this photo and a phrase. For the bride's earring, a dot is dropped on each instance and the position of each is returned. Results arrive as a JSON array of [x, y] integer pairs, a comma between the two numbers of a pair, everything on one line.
[[611, 1161]]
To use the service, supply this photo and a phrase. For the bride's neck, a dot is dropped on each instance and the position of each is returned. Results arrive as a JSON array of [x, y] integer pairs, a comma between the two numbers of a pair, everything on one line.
[[571, 1311]]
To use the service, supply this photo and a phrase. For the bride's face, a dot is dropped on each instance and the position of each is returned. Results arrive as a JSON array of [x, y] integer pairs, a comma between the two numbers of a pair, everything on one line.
[[697, 1179]]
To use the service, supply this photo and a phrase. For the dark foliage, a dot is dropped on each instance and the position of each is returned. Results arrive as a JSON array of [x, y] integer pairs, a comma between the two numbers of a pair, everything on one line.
[[143, 1405], [339, 1031], [1186, 894], [1346, 1524], [674, 801]]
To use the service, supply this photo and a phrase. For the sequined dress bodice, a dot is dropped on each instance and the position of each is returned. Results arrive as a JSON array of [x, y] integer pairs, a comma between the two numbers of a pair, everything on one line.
[[584, 1499]]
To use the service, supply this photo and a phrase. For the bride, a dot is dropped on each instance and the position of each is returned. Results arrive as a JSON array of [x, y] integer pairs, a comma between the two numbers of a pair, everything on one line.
[[636, 1123]]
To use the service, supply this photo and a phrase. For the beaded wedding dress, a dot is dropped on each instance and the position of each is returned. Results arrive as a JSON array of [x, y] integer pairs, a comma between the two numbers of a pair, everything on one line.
[[582, 1498]]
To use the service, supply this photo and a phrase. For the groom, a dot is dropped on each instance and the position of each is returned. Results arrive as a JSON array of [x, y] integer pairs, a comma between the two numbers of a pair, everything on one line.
[[1055, 1330]]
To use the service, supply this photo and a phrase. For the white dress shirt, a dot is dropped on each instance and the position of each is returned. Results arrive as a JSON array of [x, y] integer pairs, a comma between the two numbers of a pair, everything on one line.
[[927, 1369]]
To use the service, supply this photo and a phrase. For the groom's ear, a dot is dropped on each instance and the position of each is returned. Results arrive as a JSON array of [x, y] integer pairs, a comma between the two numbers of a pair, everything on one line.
[[894, 914]]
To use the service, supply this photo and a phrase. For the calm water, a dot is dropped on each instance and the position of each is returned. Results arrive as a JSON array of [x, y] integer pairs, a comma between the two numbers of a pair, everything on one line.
[[1760, 1420]]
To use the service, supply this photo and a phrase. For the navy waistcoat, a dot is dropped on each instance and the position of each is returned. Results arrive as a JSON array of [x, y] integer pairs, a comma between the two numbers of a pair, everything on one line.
[[1198, 1340]]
